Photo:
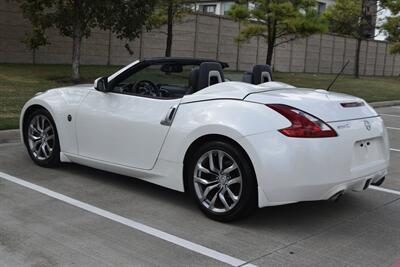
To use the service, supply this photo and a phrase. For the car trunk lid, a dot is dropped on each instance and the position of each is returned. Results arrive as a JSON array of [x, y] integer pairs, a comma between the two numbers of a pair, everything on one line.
[[328, 106]]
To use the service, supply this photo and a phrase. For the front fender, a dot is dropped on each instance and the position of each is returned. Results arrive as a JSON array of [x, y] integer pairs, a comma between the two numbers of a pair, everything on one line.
[[59, 103]]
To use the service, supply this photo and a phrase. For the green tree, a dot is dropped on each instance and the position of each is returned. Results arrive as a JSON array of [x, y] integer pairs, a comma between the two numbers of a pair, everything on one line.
[[77, 18], [167, 13], [35, 39], [392, 24], [276, 21], [353, 18]]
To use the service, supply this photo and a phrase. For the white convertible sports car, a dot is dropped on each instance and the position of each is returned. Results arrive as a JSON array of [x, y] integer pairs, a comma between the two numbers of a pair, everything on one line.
[[233, 146]]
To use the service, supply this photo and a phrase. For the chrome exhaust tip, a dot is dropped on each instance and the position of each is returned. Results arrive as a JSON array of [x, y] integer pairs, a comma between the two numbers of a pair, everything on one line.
[[337, 196], [367, 183], [379, 182]]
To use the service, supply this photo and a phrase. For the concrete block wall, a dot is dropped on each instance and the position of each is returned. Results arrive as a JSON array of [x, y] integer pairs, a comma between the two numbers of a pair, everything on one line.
[[203, 36]]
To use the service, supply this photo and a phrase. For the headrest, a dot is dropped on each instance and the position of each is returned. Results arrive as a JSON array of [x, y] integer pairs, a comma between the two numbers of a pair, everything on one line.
[[261, 74], [210, 73], [193, 81]]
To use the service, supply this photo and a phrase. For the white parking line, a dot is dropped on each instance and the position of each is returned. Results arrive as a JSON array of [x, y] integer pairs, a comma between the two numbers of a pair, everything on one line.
[[384, 190], [395, 150], [130, 223], [390, 115], [393, 128]]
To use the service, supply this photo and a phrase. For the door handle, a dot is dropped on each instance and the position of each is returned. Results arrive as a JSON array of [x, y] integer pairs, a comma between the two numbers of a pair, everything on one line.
[[169, 117]]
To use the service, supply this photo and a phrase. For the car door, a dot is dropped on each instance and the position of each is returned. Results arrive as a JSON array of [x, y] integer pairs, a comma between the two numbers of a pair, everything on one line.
[[123, 129]]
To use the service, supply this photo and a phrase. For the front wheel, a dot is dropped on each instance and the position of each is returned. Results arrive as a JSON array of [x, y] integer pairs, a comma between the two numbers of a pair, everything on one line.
[[41, 139], [222, 181]]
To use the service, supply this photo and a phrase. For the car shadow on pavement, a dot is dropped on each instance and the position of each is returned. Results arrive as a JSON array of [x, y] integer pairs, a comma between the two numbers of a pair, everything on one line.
[[303, 214]]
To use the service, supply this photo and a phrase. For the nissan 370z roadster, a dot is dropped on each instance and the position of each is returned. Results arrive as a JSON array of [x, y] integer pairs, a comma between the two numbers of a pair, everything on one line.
[[232, 145]]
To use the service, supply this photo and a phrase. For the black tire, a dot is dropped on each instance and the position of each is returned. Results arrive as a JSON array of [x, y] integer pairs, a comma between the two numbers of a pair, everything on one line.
[[248, 198], [53, 160]]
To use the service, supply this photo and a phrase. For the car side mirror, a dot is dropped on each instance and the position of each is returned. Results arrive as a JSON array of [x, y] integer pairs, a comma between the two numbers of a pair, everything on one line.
[[101, 84]]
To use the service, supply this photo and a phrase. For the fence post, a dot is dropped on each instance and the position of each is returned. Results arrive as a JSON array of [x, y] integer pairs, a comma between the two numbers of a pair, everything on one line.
[[109, 48], [384, 60], [141, 45], [376, 57], [393, 65], [305, 56], [195, 35], [366, 57], [319, 53], [219, 36], [258, 49], [344, 50], [333, 53], [290, 56]]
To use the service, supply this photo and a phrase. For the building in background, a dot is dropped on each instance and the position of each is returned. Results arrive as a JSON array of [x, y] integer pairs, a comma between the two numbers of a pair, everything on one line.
[[221, 7]]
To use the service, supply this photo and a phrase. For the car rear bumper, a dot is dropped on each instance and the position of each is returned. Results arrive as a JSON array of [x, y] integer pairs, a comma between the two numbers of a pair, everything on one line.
[[294, 169]]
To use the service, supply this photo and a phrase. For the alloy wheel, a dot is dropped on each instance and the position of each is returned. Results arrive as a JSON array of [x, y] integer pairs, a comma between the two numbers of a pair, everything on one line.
[[41, 137], [217, 181]]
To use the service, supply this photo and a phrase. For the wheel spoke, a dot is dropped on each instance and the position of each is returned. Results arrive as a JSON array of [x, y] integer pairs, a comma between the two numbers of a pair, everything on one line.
[[204, 169], [204, 181], [43, 148], [50, 137], [223, 200], [220, 160], [43, 122], [236, 180], [211, 162], [47, 129], [34, 138], [34, 129], [212, 203], [36, 142], [38, 124], [230, 169], [232, 195], [207, 191]]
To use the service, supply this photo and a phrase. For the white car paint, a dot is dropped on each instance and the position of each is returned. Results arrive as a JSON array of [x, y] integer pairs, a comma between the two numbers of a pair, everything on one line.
[[122, 134]]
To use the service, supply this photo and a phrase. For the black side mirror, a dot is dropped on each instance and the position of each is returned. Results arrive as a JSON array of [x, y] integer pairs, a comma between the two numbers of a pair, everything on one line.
[[101, 84]]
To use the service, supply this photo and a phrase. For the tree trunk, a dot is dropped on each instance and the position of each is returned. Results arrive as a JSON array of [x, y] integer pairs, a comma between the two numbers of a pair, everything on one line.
[[271, 39], [270, 53], [76, 42], [357, 60], [34, 56], [76, 58], [169, 29]]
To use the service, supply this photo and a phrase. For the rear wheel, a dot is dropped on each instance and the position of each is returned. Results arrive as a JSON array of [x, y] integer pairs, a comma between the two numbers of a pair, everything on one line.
[[222, 182], [41, 139]]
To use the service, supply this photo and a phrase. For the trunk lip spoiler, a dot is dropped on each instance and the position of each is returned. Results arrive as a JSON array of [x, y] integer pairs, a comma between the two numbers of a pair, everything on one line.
[[355, 119]]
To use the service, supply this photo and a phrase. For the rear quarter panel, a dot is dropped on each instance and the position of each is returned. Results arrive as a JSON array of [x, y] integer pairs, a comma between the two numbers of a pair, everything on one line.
[[231, 118]]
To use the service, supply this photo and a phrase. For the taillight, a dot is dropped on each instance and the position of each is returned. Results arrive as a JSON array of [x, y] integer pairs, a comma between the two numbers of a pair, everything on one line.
[[304, 125]]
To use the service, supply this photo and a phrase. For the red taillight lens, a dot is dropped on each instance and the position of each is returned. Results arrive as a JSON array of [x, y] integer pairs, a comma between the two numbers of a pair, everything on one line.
[[304, 125]]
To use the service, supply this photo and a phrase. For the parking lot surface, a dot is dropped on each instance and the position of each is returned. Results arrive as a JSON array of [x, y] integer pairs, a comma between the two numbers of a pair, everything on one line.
[[94, 218]]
